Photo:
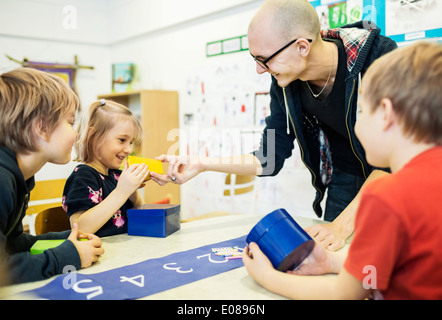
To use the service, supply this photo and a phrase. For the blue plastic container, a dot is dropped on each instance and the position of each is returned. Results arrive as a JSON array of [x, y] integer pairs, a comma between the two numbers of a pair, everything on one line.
[[282, 240], [153, 220]]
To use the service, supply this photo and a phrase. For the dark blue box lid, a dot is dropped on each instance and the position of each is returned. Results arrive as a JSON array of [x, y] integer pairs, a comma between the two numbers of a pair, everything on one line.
[[155, 210]]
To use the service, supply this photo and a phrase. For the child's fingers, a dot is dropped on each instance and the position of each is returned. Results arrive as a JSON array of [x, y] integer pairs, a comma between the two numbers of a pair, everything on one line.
[[82, 235], [126, 165], [137, 168], [142, 172], [95, 242]]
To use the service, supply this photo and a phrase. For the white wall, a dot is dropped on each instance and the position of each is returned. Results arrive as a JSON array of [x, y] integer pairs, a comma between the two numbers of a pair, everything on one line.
[[134, 18], [164, 54], [47, 20], [34, 30]]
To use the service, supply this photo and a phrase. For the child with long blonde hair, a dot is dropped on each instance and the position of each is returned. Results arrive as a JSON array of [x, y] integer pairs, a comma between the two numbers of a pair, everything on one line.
[[97, 194]]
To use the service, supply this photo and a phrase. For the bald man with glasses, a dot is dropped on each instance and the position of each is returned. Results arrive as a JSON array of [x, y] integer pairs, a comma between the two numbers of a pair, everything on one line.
[[314, 93]]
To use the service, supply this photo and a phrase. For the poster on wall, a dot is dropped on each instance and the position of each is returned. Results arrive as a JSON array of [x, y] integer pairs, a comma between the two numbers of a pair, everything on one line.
[[123, 76], [67, 74], [401, 20], [338, 13], [407, 20]]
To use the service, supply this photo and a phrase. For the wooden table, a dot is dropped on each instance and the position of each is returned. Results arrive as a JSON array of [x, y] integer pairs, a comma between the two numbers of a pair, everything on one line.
[[123, 250]]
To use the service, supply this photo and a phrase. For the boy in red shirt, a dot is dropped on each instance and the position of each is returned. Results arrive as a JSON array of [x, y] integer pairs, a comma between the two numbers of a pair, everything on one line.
[[396, 251]]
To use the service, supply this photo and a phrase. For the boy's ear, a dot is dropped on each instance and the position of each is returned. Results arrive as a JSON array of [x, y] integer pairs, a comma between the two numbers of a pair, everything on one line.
[[389, 116], [40, 130]]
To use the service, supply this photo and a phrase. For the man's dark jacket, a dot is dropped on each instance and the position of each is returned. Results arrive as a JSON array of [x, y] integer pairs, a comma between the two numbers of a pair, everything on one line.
[[362, 47]]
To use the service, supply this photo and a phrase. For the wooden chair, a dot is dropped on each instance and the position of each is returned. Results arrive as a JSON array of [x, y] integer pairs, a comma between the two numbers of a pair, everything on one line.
[[46, 194], [238, 184], [51, 220]]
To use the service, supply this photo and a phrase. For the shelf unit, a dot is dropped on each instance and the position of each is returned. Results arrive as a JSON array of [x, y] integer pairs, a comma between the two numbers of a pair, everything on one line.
[[158, 113]]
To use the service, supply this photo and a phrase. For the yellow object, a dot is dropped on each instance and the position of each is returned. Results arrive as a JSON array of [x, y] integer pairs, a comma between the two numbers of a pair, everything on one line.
[[46, 194], [153, 165]]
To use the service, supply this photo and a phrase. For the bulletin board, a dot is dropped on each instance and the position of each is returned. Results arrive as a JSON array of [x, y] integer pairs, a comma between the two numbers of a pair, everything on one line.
[[400, 20], [411, 20]]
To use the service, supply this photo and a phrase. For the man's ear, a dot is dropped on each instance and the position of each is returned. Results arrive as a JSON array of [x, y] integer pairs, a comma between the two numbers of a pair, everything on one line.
[[389, 116], [303, 47]]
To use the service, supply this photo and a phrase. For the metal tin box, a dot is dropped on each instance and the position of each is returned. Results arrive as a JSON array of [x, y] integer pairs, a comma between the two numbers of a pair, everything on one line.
[[282, 240]]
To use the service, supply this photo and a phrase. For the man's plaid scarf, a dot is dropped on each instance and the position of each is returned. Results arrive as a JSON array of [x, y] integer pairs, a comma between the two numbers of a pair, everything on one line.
[[353, 39]]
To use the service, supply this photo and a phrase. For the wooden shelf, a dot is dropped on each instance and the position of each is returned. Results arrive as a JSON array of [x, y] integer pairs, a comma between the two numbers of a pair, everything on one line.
[[119, 94]]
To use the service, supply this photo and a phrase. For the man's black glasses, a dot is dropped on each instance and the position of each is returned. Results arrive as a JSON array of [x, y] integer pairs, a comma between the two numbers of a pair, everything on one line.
[[263, 63]]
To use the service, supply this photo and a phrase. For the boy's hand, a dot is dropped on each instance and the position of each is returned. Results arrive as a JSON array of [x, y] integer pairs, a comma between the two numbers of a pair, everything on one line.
[[90, 250], [320, 261]]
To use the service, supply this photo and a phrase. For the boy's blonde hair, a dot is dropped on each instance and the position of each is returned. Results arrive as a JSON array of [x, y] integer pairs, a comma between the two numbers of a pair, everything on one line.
[[27, 97], [411, 77], [101, 116]]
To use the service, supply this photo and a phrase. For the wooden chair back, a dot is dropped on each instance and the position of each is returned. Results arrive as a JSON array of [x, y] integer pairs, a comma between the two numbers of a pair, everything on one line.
[[46, 194], [51, 220]]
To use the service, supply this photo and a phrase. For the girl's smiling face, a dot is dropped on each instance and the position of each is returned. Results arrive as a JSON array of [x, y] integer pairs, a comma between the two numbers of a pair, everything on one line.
[[116, 145]]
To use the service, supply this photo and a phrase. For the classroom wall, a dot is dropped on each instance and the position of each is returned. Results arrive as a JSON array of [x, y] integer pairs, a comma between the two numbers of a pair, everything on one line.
[[164, 52], [169, 58], [34, 30]]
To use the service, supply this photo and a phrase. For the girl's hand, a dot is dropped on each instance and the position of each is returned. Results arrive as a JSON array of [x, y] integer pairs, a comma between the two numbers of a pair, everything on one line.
[[132, 178]]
